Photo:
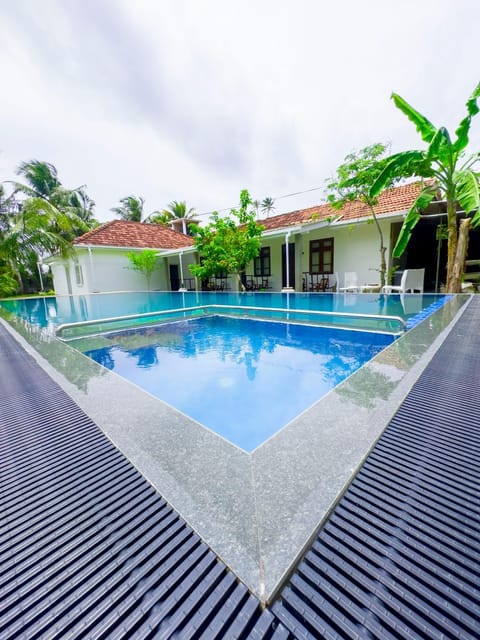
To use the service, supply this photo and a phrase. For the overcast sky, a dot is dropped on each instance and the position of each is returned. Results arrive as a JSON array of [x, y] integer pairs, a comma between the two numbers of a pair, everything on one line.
[[197, 99]]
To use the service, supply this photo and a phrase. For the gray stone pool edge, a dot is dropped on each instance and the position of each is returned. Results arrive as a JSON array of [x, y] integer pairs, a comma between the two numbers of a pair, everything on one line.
[[257, 511], [309, 469]]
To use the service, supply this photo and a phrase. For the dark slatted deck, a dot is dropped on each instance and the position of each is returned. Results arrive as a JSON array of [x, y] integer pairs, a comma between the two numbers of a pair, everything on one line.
[[400, 555], [89, 549]]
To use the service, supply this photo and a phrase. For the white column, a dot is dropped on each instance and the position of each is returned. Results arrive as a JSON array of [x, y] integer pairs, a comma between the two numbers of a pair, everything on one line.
[[39, 267], [287, 263], [91, 287], [182, 285]]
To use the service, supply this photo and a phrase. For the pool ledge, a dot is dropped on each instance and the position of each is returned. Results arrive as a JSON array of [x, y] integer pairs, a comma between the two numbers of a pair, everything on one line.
[[257, 511]]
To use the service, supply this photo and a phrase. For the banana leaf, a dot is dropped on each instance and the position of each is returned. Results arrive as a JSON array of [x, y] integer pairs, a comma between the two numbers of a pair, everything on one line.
[[424, 127], [403, 164], [411, 220]]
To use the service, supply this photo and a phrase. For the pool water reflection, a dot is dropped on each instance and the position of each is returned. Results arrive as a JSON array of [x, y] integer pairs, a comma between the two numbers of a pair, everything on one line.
[[51, 311], [244, 379]]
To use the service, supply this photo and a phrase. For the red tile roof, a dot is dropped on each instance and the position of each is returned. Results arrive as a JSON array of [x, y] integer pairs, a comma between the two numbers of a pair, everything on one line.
[[393, 200], [120, 233]]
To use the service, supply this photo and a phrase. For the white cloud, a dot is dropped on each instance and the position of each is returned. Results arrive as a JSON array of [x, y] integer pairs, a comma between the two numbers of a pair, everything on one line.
[[196, 100]]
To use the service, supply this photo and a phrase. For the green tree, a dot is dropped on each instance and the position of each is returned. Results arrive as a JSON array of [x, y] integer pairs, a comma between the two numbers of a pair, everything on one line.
[[41, 181], [453, 175], [159, 217], [145, 262], [35, 231], [176, 211], [83, 206], [130, 209], [227, 244], [8, 284], [4, 210], [353, 182], [268, 205], [45, 221]]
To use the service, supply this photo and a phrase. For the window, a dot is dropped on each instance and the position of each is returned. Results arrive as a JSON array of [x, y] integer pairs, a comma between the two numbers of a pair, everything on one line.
[[78, 275], [261, 264], [321, 255]]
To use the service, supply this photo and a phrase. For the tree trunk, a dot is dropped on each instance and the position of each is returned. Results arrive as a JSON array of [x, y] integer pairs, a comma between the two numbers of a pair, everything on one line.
[[18, 276], [458, 267], [240, 285], [383, 266], [383, 248], [452, 239]]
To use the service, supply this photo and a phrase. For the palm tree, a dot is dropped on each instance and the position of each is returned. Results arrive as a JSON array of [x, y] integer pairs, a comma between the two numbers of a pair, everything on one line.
[[4, 210], [42, 184], [38, 229], [450, 172], [178, 211], [46, 221], [159, 217], [41, 177], [268, 205], [131, 209], [83, 206]]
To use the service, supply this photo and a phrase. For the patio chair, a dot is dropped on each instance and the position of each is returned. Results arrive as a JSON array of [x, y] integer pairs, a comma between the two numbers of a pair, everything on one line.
[[412, 280], [333, 281], [351, 282]]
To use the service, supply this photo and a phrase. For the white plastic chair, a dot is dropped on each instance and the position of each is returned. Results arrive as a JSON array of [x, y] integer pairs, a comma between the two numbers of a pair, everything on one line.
[[334, 281], [351, 282], [412, 280]]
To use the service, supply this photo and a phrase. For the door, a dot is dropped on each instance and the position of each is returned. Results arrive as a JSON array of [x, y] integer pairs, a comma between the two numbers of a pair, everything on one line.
[[291, 265], [174, 278]]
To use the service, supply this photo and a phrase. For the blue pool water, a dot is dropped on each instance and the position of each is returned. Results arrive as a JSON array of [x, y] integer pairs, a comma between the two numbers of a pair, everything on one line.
[[51, 312], [244, 379]]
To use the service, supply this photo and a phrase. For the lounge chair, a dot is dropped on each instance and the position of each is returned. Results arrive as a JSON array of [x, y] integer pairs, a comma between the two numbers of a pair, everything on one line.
[[351, 282], [412, 280]]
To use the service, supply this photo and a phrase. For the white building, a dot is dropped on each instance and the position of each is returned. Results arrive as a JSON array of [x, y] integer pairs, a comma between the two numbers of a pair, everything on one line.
[[318, 241], [101, 262]]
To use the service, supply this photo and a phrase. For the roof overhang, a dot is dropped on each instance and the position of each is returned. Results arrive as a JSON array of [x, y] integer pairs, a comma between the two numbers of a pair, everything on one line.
[[90, 247], [321, 224], [282, 231], [160, 250], [165, 253], [380, 216]]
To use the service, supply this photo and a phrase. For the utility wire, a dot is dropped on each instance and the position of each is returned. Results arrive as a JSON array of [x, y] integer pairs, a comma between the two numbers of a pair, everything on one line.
[[287, 195]]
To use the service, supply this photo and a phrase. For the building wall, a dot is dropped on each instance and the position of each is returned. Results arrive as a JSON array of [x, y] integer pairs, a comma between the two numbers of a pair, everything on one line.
[[356, 248], [59, 276], [106, 270], [187, 259]]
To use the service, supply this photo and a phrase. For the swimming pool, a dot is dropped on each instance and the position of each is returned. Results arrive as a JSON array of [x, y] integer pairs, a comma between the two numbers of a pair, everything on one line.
[[257, 509], [52, 312], [244, 379]]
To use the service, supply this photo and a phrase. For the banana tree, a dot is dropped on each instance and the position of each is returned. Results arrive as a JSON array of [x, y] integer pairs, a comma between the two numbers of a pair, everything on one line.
[[449, 173]]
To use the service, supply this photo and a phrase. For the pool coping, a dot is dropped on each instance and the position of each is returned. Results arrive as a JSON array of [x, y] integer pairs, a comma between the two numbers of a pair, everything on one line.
[[257, 511]]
